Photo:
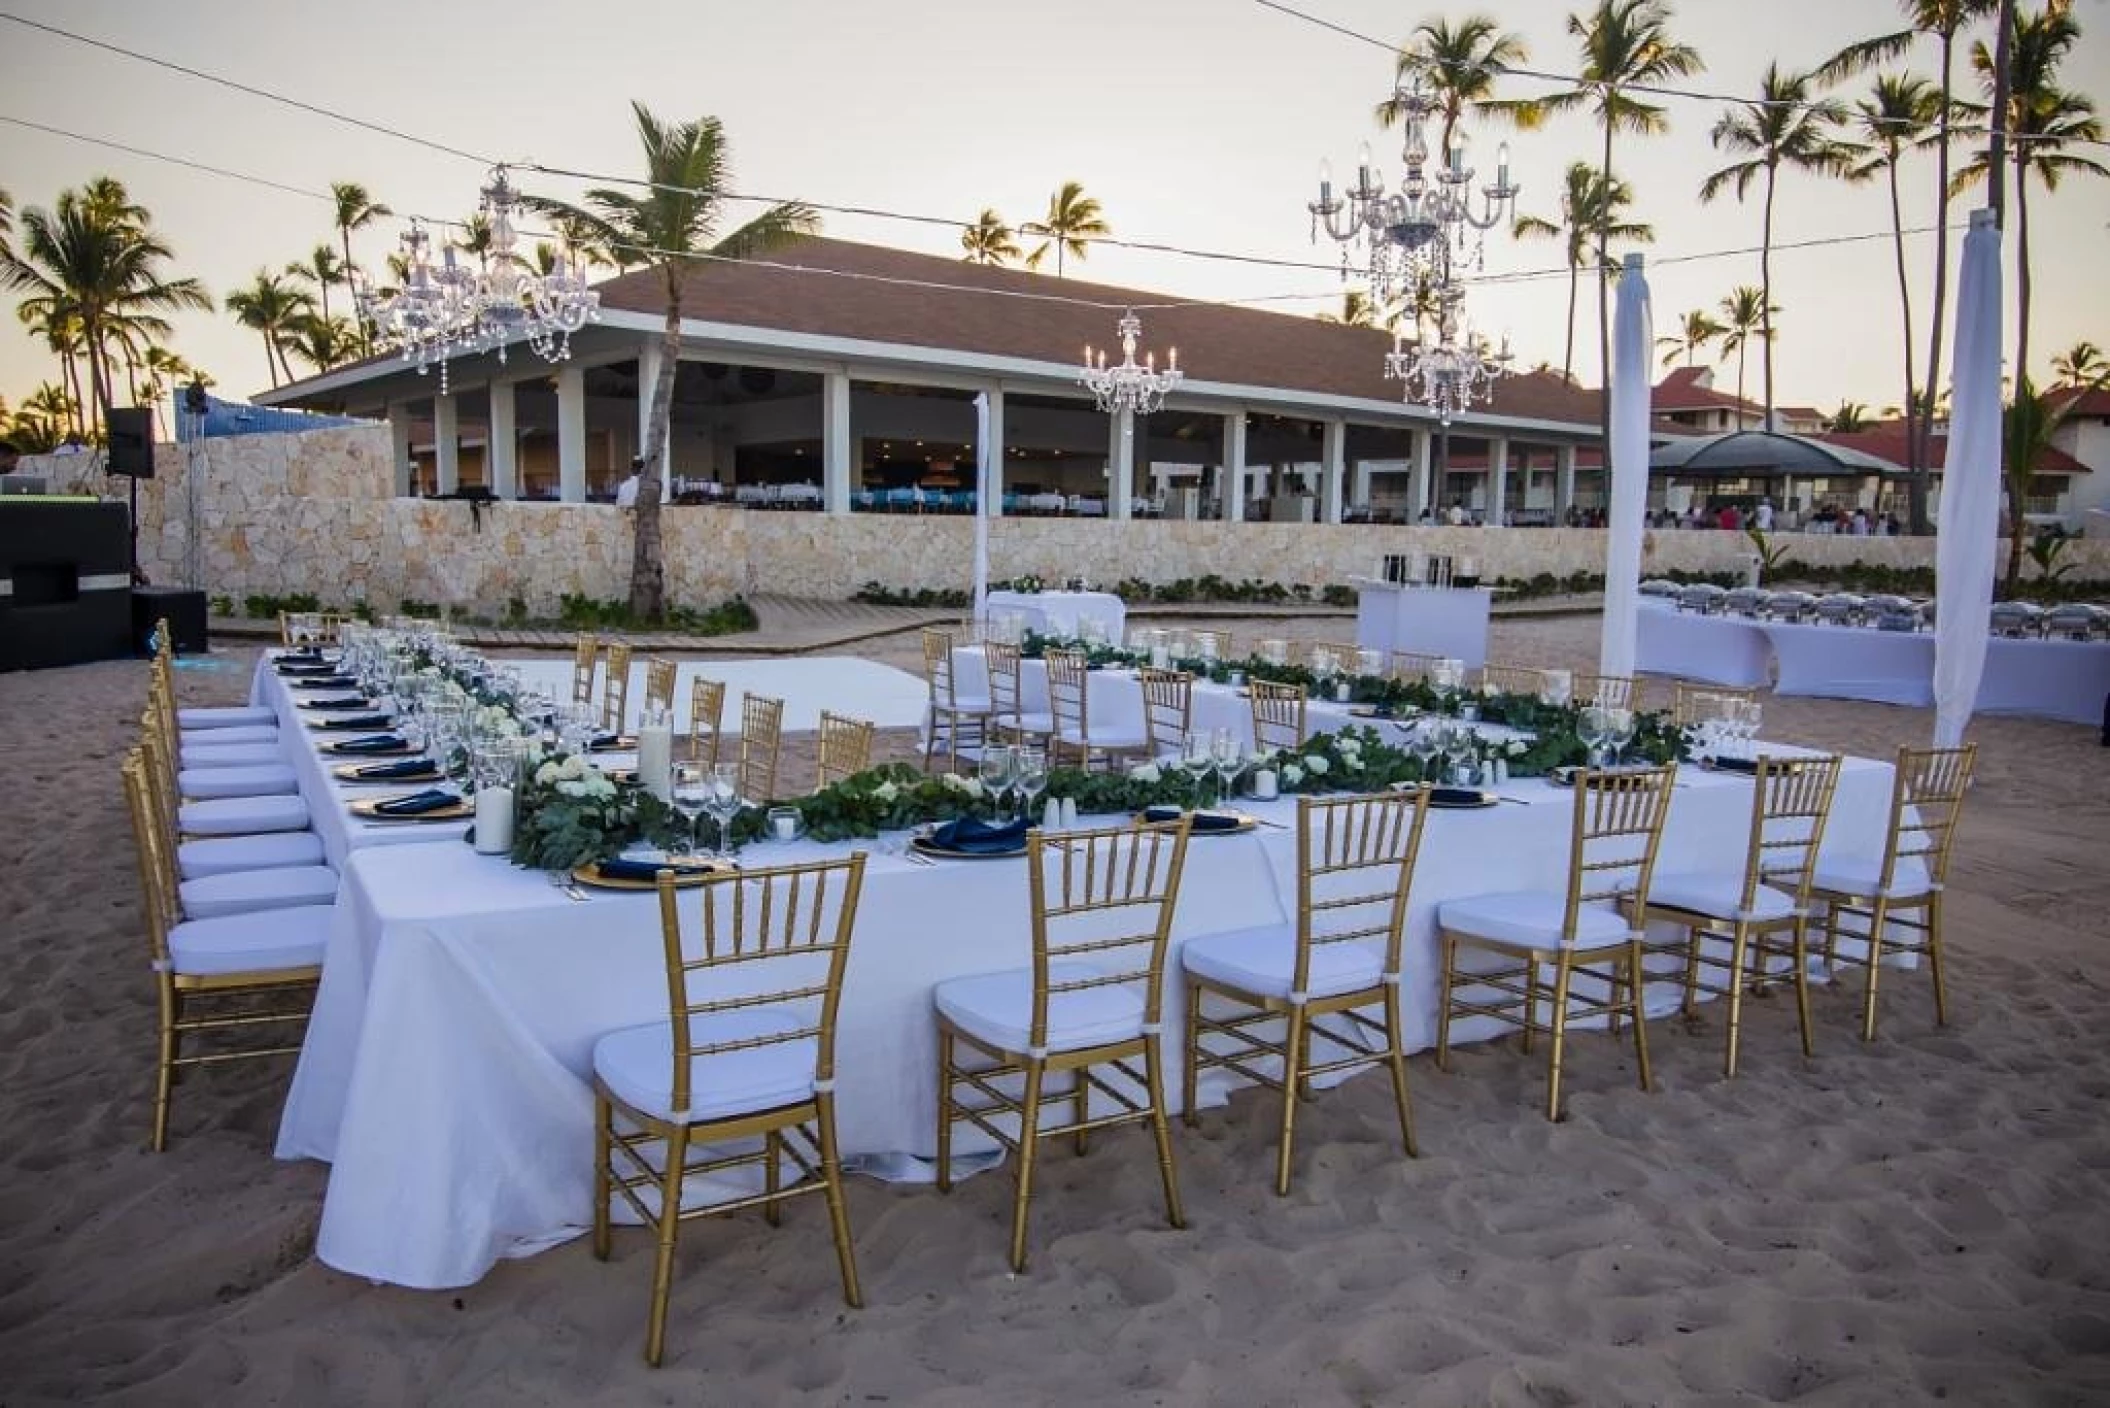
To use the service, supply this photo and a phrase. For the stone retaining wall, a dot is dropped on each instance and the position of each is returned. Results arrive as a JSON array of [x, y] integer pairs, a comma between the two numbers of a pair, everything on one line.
[[313, 513]]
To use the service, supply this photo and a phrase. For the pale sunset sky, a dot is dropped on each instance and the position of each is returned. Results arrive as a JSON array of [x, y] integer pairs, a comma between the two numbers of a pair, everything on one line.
[[1198, 123]]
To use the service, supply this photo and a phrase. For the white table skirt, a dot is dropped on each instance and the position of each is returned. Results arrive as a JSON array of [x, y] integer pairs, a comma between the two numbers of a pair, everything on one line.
[[2054, 679], [1853, 662], [1725, 650], [1058, 613], [1446, 621], [446, 1069]]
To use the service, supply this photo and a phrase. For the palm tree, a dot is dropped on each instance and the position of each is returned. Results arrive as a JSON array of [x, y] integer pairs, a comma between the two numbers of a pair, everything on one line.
[[53, 321], [1357, 311], [1072, 221], [44, 419], [271, 307], [672, 219], [95, 259], [355, 210], [1623, 43], [1784, 127], [2082, 362], [321, 341], [1850, 416], [322, 268], [1697, 329], [1461, 64], [1943, 20], [2042, 119], [989, 240], [1591, 212], [1747, 317], [2032, 419]]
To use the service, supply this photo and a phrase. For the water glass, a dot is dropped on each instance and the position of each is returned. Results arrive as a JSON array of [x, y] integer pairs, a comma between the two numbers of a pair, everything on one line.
[[689, 793]]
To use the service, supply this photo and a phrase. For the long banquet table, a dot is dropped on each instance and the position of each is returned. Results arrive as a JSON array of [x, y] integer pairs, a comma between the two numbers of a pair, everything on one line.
[[445, 1072]]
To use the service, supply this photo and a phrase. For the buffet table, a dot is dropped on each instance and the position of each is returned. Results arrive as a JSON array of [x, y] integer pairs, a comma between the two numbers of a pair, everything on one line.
[[1725, 650], [1059, 613], [445, 1071], [1445, 621]]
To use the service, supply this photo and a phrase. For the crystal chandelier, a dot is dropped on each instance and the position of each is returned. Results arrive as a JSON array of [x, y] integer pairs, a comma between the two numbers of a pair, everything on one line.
[[1454, 368], [1130, 386], [450, 310], [1419, 235]]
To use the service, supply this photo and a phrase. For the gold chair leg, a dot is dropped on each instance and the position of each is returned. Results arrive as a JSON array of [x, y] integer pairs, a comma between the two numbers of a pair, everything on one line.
[[1941, 995], [165, 1075], [1081, 1110], [1191, 1076], [1294, 1054], [1633, 992], [1831, 936], [772, 1177], [1739, 953], [1161, 1130], [1559, 1026], [1028, 1147], [945, 1050], [1801, 947], [1443, 1009], [669, 1229], [1693, 941], [603, 1123], [930, 738], [1531, 999], [1878, 917], [1395, 1058], [838, 1213]]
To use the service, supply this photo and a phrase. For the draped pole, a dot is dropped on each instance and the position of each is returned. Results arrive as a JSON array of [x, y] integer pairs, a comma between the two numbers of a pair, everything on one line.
[[1627, 460], [984, 475], [1968, 525]]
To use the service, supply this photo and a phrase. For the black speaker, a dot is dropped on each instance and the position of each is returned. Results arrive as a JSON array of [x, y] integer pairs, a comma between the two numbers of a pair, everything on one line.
[[132, 441]]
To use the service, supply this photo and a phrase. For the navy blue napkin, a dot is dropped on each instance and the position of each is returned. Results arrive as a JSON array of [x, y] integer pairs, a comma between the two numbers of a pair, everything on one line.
[[325, 682], [620, 869], [1203, 821], [362, 721], [605, 742], [401, 767], [306, 667], [978, 837], [1456, 797], [432, 799], [372, 743], [1746, 766], [336, 705]]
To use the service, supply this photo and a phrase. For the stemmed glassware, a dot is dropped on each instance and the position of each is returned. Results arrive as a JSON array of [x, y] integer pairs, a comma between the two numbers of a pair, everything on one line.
[[1619, 733], [1594, 725], [689, 793], [1426, 742], [723, 801], [999, 769], [1031, 774], [1228, 755], [1458, 744], [1198, 760]]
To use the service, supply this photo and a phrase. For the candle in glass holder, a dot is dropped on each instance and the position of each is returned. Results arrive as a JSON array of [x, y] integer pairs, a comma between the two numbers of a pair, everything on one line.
[[494, 820], [655, 753]]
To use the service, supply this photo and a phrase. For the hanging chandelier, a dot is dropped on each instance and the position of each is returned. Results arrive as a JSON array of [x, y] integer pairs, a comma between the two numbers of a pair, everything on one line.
[[449, 310], [1138, 388], [1453, 368], [1421, 235]]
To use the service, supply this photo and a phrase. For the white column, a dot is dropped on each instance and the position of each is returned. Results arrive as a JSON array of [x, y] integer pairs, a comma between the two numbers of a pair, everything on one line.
[[1120, 462], [502, 450], [649, 361], [1418, 475], [1333, 451], [837, 444], [1233, 488], [1360, 496], [1497, 481], [571, 435], [1564, 481], [995, 487], [447, 442], [399, 446]]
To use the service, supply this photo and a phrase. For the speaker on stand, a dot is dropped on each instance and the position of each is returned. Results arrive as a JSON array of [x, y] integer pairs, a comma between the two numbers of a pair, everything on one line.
[[131, 437]]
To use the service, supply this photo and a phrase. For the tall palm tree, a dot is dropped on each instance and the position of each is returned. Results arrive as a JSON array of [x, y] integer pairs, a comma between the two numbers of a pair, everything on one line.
[[2082, 362], [672, 220], [355, 210], [101, 265], [44, 419], [321, 341], [271, 307], [989, 240], [1461, 64], [1788, 127], [51, 320], [1696, 331], [1850, 416], [1622, 43], [1072, 222], [1592, 215], [323, 268], [1943, 21], [1747, 318], [2042, 120]]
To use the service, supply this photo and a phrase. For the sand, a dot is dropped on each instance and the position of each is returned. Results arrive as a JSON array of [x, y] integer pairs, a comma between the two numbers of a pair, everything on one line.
[[1922, 1218]]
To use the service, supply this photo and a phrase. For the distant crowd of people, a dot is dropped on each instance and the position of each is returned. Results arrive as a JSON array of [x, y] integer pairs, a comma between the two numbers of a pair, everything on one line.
[[1732, 516]]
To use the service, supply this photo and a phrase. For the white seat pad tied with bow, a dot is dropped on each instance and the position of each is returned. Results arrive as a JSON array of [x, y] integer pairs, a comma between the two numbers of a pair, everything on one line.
[[225, 716], [996, 1009], [1719, 894], [241, 816], [637, 1066], [245, 891], [270, 851], [1263, 961], [260, 780], [1532, 919], [258, 942]]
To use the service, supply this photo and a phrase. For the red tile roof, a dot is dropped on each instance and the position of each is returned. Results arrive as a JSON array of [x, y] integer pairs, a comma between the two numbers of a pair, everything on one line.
[[1685, 389], [2093, 401], [1886, 440]]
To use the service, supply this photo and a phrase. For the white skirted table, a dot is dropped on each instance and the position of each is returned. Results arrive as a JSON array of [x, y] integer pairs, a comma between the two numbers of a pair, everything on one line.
[[1060, 613], [1446, 621], [1725, 650]]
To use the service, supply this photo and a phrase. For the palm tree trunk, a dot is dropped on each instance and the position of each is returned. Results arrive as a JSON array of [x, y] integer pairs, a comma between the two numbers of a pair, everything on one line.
[[1742, 347], [1919, 482], [99, 389], [648, 570], [1765, 288], [1604, 306], [1568, 347], [269, 360], [1913, 440], [2022, 276]]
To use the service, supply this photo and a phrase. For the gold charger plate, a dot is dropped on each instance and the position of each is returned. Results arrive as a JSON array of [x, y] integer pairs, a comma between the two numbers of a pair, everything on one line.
[[923, 845], [349, 772], [1462, 799], [590, 876], [621, 743], [1396, 715], [462, 810], [1244, 823], [339, 750]]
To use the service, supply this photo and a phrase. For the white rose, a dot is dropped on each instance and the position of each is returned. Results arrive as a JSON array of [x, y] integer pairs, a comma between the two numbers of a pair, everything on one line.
[[1145, 772], [572, 767], [1349, 745], [1517, 748], [1292, 774], [1318, 764], [547, 774], [599, 785], [573, 787], [885, 793]]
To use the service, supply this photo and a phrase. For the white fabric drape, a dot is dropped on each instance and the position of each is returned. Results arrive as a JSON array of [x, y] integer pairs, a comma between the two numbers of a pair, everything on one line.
[[1969, 525], [1632, 349], [982, 486]]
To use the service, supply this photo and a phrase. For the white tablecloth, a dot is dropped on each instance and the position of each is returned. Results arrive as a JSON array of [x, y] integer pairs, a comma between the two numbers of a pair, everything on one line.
[[446, 1068], [1446, 621], [1725, 650], [1853, 662], [1057, 613]]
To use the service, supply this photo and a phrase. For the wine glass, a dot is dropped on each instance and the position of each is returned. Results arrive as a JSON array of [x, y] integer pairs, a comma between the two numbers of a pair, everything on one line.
[[1228, 754], [1594, 727], [999, 767], [1032, 776], [1459, 742], [1197, 761], [689, 793], [1425, 743], [723, 801], [1619, 732], [1750, 714]]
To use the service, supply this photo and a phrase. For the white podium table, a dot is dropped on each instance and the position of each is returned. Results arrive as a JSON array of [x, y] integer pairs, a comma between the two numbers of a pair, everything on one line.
[[1447, 621]]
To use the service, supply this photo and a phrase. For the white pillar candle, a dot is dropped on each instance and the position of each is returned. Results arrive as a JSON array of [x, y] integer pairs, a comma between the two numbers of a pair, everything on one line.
[[1264, 784], [494, 821], [655, 759]]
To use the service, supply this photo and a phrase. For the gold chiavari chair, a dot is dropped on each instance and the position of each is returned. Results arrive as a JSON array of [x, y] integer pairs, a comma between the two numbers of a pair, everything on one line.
[[1412, 666], [1219, 640], [958, 716], [237, 967], [585, 655], [1693, 702], [233, 737], [1278, 715], [1070, 703], [1344, 653], [845, 748], [1516, 679], [204, 772], [1591, 930], [659, 684], [1008, 717], [299, 627], [747, 1054], [1896, 903], [615, 688], [227, 888], [1761, 914], [1168, 709], [217, 817], [761, 740], [1605, 691], [1318, 976], [706, 717], [1102, 914], [201, 719]]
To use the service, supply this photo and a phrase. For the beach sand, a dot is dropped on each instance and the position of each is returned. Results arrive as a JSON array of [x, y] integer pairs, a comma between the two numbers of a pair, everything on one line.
[[1921, 1218]]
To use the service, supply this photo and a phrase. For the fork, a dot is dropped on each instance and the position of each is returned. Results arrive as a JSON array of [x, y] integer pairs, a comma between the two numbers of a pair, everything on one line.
[[560, 881]]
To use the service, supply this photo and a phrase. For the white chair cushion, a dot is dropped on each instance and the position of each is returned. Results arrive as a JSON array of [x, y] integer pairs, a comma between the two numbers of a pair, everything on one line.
[[637, 1066], [232, 755], [1531, 918], [227, 716], [1718, 894], [968, 704], [1029, 722], [1262, 961], [262, 780], [1860, 877], [197, 859], [1107, 738], [997, 1009], [242, 816], [225, 737], [243, 891], [251, 943]]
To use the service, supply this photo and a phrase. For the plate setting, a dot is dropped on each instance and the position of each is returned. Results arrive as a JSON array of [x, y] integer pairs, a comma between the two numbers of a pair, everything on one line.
[[968, 839], [1461, 799], [397, 808], [357, 772], [350, 748], [1209, 821], [640, 873], [364, 722]]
